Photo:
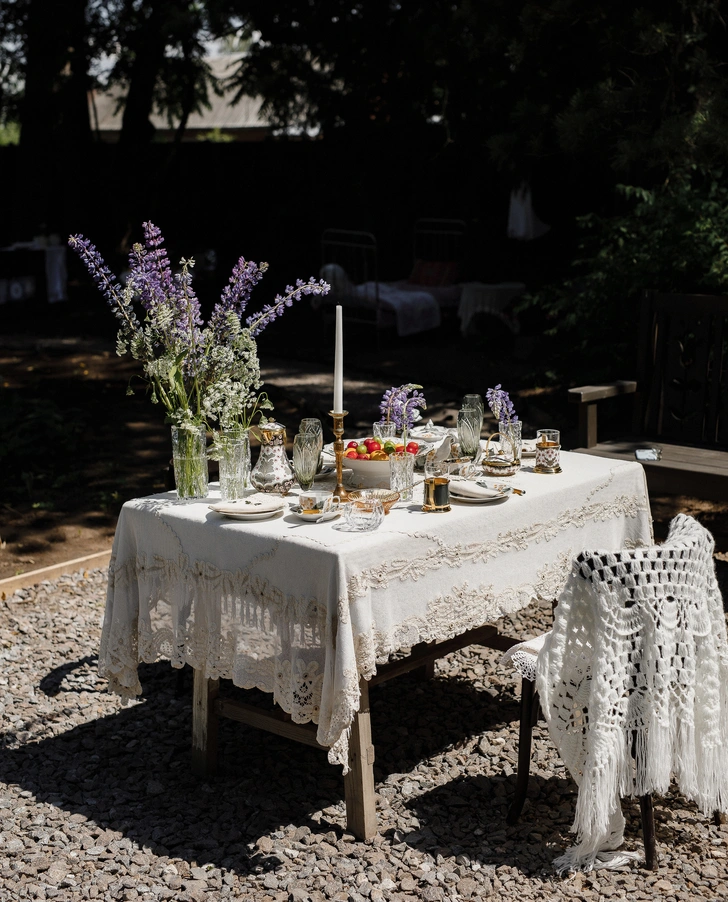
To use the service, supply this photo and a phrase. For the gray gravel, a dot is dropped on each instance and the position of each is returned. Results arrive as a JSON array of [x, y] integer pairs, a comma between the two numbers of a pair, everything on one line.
[[97, 800]]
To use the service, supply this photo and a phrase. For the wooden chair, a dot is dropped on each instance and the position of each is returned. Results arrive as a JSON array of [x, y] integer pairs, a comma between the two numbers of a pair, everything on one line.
[[661, 609], [681, 397]]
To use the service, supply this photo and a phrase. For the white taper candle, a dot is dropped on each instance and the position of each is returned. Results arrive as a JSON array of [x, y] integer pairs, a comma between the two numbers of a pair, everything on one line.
[[339, 364]]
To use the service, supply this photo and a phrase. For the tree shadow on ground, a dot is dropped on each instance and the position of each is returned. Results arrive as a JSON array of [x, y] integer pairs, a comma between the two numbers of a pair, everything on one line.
[[130, 771]]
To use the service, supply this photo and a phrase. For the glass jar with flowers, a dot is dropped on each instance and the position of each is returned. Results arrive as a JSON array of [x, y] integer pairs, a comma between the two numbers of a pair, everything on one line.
[[508, 461], [206, 376], [398, 407]]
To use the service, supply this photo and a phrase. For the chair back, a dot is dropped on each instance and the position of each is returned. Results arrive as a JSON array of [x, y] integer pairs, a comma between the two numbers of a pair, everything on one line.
[[633, 680], [683, 368]]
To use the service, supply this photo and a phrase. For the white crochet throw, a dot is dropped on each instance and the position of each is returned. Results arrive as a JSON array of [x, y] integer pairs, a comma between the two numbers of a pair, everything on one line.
[[633, 681]]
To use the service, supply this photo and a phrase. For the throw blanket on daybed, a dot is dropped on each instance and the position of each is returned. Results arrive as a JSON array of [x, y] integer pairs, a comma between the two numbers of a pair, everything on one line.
[[637, 664], [414, 311]]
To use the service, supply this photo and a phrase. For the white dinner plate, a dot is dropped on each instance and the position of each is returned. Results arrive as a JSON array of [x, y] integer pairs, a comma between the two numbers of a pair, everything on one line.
[[465, 499], [249, 515], [251, 508], [314, 518]]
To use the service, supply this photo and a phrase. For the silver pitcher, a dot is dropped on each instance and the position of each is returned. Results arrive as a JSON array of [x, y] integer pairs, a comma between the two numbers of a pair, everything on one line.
[[272, 471]]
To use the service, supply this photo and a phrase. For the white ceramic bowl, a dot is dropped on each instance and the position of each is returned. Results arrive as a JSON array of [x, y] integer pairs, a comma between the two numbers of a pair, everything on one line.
[[367, 474]]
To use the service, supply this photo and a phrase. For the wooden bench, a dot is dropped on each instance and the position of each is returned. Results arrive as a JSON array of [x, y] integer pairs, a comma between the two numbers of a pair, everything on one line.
[[681, 397]]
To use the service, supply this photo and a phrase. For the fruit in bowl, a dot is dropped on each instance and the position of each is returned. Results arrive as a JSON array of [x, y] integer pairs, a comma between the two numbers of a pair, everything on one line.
[[372, 449], [368, 459]]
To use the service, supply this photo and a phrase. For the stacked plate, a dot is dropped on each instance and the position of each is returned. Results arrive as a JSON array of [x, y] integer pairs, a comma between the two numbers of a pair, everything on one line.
[[255, 507]]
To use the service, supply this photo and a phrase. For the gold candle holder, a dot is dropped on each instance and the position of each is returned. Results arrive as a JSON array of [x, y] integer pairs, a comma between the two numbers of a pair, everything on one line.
[[339, 492]]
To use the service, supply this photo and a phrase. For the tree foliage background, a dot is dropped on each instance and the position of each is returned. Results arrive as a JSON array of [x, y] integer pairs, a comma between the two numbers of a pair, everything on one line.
[[616, 114]]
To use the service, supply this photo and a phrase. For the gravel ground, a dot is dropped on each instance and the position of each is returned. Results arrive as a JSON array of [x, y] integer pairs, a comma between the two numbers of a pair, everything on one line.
[[97, 800]]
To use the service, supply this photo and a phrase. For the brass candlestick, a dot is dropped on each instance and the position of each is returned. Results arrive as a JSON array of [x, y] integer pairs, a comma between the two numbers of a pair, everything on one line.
[[339, 492]]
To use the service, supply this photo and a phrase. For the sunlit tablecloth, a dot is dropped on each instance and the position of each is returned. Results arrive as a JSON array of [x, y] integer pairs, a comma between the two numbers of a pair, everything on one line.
[[302, 611]]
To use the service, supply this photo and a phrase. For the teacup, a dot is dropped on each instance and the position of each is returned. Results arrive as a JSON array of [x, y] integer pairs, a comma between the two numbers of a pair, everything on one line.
[[314, 503]]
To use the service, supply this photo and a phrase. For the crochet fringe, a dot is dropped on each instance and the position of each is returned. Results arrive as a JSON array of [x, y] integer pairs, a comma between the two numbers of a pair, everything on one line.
[[633, 681]]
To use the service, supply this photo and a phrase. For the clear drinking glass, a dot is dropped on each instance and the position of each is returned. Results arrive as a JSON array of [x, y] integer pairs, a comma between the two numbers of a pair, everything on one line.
[[313, 425], [384, 432], [402, 473], [470, 423], [234, 464], [305, 458]]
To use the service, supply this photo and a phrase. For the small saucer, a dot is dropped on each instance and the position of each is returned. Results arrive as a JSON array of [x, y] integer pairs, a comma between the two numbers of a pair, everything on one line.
[[318, 517]]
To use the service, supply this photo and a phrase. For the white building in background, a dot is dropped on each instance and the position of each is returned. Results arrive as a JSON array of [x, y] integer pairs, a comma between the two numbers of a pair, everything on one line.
[[224, 121]]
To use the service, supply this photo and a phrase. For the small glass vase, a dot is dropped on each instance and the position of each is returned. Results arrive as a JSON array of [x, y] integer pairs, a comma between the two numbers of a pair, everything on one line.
[[189, 457], [384, 432], [234, 450]]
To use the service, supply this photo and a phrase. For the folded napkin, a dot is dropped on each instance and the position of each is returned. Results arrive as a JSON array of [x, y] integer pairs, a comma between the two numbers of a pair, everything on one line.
[[252, 504], [442, 452], [467, 489]]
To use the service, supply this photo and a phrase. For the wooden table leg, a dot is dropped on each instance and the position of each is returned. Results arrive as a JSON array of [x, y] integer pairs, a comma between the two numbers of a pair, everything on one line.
[[204, 725], [361, 806]]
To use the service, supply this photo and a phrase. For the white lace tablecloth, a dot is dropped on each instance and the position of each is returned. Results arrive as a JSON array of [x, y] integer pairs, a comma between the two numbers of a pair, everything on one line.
[[302, 611]]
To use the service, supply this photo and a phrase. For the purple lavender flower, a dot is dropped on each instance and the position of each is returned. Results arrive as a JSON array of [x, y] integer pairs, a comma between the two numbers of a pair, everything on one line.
[[259, 321], [236, 294], [159, 289], [501, 405], [193, 370], [106, 282]]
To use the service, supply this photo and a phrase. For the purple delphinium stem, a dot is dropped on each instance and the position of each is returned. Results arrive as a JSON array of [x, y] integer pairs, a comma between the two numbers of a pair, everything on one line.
[[398, 405], [151, 268], [236, 294], [259, 321], [501, 405], [106, 282]]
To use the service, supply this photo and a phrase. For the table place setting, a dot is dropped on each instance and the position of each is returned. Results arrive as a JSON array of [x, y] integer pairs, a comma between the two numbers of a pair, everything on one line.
[[469, 491]]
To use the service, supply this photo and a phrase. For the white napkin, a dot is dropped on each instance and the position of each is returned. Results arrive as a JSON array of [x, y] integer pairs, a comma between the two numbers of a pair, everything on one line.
[[252, 504], [467, 489], [442, 452]]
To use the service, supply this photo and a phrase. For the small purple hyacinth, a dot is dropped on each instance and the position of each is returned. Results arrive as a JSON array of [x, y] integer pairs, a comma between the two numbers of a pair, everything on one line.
[[501, 405]]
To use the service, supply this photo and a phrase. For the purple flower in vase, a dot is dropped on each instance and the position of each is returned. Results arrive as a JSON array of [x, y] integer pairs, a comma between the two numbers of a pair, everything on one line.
[[200, 373], [501, 405], [399, 404]]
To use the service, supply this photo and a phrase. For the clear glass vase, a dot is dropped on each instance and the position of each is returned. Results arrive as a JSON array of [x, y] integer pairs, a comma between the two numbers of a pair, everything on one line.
[[470, 423], [234, 450], [189, 458]]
